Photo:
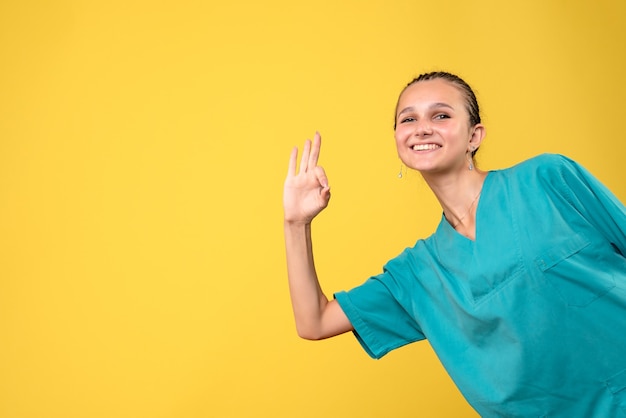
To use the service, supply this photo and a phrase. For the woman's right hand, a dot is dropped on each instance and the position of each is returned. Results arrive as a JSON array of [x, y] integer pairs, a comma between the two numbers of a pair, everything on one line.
[[306, 192]]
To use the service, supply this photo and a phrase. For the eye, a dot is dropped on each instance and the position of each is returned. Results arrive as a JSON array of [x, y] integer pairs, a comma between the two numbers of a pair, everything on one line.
[[441, 116], [407, 119]]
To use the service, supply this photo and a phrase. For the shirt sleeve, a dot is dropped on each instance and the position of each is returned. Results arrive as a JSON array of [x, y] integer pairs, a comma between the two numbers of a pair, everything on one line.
[[380, 322], [595, 202]]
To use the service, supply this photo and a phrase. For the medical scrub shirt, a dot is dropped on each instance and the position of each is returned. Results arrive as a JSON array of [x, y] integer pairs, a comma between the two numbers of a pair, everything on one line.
[[529, 319]]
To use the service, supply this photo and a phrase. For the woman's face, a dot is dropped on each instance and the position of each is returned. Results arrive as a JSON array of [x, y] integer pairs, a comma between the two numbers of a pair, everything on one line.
[[433, 134]]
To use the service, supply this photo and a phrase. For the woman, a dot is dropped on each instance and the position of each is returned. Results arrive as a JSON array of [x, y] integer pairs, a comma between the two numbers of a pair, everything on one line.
[[521, 290]]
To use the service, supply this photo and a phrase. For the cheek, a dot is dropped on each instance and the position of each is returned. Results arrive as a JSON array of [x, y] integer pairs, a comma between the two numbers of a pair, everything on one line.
[[397, 136], [400, 141], [400, 133]]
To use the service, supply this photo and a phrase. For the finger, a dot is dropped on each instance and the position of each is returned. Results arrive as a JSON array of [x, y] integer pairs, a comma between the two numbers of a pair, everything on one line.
[[321, 176], [315, 150], [306, 150], [325, 194], [325, 191], [293, 158]]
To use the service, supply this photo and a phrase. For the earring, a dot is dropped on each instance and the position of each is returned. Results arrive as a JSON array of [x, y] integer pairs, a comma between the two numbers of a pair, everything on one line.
[[400, 173], [470, 160]]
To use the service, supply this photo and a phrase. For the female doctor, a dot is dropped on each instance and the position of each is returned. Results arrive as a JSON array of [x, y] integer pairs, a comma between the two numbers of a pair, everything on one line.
[[521, 290]]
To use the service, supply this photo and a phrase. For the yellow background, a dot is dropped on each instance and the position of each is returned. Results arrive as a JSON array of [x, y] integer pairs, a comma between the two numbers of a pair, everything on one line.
[[143, 147]]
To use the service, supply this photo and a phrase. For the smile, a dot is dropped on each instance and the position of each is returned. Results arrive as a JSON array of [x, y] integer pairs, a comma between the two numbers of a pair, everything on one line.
[[425, 147]]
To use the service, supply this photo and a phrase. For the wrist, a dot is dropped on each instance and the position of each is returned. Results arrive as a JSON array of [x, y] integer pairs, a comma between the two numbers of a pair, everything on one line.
[[296, 223]]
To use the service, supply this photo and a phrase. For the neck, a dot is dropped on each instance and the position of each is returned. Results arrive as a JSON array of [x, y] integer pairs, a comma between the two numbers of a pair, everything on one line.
[[458, 195]]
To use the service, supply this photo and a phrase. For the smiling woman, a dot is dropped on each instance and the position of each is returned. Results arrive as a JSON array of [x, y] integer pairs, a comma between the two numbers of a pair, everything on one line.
[[524, 259], [438, 132]]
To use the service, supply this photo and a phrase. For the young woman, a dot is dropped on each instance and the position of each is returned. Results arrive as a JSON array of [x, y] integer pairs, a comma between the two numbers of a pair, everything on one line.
[[521, 290]]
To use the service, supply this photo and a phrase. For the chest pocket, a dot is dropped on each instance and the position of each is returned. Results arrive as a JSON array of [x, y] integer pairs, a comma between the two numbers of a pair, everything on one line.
[[573, 266], [491, 268]]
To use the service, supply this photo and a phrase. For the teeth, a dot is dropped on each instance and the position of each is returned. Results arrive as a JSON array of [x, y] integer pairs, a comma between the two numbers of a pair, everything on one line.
[[424, 147]]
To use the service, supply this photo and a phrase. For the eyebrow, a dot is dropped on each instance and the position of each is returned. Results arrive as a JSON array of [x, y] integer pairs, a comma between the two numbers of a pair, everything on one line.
[[432, 106]]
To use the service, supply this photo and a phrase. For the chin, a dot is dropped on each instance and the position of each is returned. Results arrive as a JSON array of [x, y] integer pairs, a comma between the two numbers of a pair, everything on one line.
[[423, 168]]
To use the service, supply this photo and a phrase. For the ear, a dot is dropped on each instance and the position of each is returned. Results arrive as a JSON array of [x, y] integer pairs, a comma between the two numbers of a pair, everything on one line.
[[477, 134]]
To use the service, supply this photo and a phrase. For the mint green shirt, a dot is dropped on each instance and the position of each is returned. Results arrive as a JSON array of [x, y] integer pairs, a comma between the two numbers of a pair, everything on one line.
[[529, 319]]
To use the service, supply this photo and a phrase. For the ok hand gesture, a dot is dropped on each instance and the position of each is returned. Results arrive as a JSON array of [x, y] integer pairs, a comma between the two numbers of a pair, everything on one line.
[[306, 192]]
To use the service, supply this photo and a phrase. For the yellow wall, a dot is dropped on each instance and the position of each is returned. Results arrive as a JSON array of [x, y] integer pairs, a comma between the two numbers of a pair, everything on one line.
[[142, 152]]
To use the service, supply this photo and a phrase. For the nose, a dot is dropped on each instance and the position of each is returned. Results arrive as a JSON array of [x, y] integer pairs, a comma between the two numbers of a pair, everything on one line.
[[423, 127]]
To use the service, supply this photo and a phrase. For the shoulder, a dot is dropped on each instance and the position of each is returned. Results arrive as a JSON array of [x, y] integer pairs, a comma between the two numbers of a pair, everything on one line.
[[410, 257], [543, 162], [553, 176], [542, 167]]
